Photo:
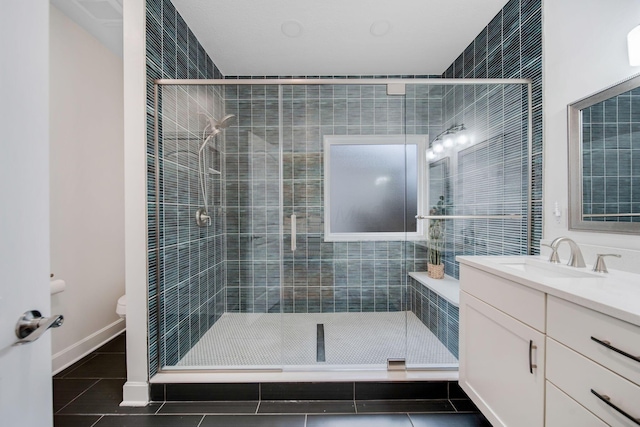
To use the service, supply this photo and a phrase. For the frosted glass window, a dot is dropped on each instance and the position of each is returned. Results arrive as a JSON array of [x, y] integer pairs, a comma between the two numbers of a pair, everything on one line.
[[371, 187]]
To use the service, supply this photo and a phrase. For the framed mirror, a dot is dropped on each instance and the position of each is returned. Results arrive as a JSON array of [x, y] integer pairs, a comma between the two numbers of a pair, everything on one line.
[[604, 160]]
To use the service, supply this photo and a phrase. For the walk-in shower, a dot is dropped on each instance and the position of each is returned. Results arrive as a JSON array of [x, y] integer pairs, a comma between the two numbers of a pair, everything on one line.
[[318, 198]]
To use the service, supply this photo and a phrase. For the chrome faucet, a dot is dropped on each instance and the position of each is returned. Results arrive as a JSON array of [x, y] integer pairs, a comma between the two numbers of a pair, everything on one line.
[[553, 258], [576, 259], [600, 266]]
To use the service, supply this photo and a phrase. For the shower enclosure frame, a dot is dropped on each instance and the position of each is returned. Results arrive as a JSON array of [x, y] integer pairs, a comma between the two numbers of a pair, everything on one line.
[[396, 82]]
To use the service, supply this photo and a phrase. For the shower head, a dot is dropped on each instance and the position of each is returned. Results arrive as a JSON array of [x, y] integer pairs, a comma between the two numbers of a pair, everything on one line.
[[214, 127], [223, 123], [213, 123]]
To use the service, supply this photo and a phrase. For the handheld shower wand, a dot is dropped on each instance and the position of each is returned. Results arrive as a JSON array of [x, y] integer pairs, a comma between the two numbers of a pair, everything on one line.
[[210, 131]]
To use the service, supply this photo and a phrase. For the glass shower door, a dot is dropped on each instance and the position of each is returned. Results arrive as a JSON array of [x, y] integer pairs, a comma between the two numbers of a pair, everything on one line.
[[343, 292], [187, 259], [253, 228], [477, 191], [218, 298], [426, 313]]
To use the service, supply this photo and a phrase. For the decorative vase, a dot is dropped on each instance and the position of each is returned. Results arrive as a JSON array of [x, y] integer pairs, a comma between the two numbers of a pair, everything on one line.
[[435, 271]]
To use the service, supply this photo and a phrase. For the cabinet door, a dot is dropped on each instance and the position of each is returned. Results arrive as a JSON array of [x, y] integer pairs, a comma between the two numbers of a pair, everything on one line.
[[501, 365]]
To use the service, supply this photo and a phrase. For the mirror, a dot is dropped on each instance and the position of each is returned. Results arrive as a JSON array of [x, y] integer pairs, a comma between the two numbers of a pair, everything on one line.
[[604, 160]]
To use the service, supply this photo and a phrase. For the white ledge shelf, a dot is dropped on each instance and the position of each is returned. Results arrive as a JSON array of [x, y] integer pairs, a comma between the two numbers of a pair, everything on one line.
[[448, 287]]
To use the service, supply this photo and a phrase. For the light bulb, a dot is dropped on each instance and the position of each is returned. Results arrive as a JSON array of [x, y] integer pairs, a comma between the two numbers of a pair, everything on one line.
[[448, 142], [462, 139], [431, 155], [633, 46], [437, 147]]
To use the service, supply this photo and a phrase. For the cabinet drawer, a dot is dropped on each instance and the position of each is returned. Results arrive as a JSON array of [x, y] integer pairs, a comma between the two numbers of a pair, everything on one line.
[[563, 411], [519, 301], [577, 376], [574, 325]]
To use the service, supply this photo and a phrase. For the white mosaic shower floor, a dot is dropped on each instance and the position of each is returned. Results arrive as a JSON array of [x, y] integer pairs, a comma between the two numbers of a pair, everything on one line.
[[244, 340]]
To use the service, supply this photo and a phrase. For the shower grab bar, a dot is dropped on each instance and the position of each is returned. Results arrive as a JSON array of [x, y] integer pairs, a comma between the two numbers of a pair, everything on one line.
[[294, 243], [508, 216]]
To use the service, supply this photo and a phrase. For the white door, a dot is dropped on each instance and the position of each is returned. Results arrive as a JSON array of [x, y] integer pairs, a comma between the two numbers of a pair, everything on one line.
[[25, 371]]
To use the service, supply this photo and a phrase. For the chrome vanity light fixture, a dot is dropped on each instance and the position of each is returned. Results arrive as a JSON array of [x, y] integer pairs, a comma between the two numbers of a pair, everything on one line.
[[455, 135]]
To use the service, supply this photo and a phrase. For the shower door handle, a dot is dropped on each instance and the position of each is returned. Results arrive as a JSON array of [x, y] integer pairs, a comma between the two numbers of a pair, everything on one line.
[[294, 243]]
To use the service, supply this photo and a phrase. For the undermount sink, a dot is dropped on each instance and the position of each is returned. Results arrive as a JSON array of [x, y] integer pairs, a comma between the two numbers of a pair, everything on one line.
[[547, 269]]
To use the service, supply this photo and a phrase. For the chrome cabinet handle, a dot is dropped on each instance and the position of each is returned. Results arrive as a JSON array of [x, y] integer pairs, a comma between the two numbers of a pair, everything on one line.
[[531, 364], [606, 399], [608, 345], [32, 325]]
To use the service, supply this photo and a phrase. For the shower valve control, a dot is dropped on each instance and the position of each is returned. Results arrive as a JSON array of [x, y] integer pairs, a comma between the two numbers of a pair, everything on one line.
[[203, 219]]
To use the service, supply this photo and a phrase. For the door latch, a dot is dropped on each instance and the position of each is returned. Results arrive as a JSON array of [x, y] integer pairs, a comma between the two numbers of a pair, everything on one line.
[[32, 325]]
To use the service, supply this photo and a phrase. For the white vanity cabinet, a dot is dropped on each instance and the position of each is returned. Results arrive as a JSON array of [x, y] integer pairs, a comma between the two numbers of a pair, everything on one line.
[[549, 346], [502, 347]]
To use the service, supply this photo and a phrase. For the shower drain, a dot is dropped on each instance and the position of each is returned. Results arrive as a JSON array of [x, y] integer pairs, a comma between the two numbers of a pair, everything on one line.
[[320, 343]]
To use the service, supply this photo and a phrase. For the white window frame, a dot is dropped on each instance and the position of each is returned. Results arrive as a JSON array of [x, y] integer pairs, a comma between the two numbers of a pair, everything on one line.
[[421, 141]]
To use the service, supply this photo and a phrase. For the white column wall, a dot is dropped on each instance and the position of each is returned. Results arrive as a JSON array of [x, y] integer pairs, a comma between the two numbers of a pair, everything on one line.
[[135, 172]]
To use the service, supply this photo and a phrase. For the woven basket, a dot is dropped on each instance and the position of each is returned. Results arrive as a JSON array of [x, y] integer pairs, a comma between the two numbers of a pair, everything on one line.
[[435, 271]]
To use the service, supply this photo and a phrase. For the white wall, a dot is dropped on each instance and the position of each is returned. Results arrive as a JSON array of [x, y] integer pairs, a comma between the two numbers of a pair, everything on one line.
[[87, 188], [585, 50]]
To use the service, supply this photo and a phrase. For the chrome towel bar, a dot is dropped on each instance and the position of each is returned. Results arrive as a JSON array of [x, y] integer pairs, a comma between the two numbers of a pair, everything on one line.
[[508, 216]]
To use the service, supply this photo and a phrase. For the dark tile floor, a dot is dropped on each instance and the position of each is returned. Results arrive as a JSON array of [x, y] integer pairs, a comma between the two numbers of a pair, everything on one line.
[[88, 394]]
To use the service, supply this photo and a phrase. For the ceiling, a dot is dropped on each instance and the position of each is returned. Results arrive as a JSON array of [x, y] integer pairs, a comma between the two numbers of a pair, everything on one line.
[[313, 37], [101, 18], [336, 37]]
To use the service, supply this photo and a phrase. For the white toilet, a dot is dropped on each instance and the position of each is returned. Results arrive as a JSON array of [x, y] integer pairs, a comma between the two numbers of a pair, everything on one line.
[[121, 308]]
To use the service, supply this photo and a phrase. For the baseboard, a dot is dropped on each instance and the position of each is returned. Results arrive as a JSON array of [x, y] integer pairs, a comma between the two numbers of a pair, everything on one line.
[[313, 391], [65, 358], [135, 394]]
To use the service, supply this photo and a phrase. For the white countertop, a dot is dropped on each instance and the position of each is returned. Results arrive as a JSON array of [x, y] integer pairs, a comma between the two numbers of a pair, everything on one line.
[[616, 293]]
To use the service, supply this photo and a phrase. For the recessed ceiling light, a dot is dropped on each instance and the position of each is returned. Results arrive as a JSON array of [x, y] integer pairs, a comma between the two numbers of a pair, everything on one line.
[[291, 28], [380, 28]]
